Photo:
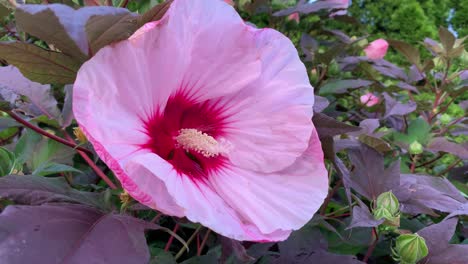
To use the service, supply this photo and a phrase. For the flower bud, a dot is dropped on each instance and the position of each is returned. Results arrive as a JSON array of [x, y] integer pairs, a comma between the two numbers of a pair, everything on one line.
[[369, 100], [410, 248], [388, 201], [294, 17], [390, 219], [445, 119], [416, 148], [376, 49], [80, 135]]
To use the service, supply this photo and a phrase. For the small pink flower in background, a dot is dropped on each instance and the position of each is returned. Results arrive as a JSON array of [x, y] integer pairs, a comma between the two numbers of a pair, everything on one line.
[[369, 100], [376, 49], [207, 118], [294, 17], [229, 2]]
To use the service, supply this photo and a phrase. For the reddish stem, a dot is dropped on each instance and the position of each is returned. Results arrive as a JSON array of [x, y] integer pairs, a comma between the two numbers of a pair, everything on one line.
[[330, 195], [372, 246], [205, 238], [169, 242], [45, 133], [93, 166]]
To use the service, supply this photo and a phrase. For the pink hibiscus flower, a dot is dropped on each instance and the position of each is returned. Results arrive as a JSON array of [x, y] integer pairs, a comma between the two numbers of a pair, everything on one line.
[[203, 116], [369, 99], [376, 49]]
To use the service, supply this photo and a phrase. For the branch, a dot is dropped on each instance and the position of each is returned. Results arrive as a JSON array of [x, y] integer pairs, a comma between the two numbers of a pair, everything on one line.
[[45, 133], [91, 163]]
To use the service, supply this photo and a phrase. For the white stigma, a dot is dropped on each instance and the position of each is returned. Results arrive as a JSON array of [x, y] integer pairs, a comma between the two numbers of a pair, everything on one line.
[[195, 140]]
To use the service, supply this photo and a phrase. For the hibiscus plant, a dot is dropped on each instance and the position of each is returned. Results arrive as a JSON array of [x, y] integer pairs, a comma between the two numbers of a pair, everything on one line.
[[211, 131]]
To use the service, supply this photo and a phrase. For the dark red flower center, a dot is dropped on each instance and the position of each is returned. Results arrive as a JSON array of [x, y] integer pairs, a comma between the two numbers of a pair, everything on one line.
[[187, 134]]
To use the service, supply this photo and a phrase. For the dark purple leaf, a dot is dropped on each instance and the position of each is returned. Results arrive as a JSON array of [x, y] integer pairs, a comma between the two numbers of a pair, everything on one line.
[[309, 46], [442, 144], [388, 69], [230, 247], [464, 75], [459, 173], [433, 46], [307, 8], [369, 176], [369, 126], [344, 173], [320, 103], [410, 52], [350, 63], [462, 210], [67, 113], [437, 238], [447, 38], [408, 87], [13, 83], [307, 245], [328, 127], [341, 144], [37, 190], [342, 86], [341, 36], [420, 194], [393, 107], [415, 75], [65, 25], [362, 217], [71, 234]]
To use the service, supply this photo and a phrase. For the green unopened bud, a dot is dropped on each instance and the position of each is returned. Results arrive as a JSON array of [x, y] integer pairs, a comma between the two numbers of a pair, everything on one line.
[[410, 248], [445, 119], [389, 201], [382, 212], [416, 148], [392, 220]]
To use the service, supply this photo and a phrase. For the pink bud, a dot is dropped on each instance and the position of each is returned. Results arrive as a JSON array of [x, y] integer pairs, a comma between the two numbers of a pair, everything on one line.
[[376, 49], [294, 17], [369, 100]]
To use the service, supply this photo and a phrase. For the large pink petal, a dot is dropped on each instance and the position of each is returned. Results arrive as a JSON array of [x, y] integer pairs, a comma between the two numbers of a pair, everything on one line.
[[197, 200], [284, 200], [272, 115]]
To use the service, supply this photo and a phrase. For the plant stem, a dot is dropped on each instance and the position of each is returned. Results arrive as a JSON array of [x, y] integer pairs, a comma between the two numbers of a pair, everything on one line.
[[205, 238], [169, 242], [182, 250], [450, 167], [372, 246], [330, 195], [91, 163], [45, 133], [431, 161]]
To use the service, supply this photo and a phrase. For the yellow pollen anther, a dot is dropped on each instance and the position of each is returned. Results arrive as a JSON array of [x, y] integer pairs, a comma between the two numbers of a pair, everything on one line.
[[195, 140]]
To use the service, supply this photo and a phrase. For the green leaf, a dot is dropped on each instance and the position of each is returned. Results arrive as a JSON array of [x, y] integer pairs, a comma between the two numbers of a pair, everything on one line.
[[418, 130], [46, 26], [53, 168], [7, 161], [40, 65], [103, 30], [37, 151]]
